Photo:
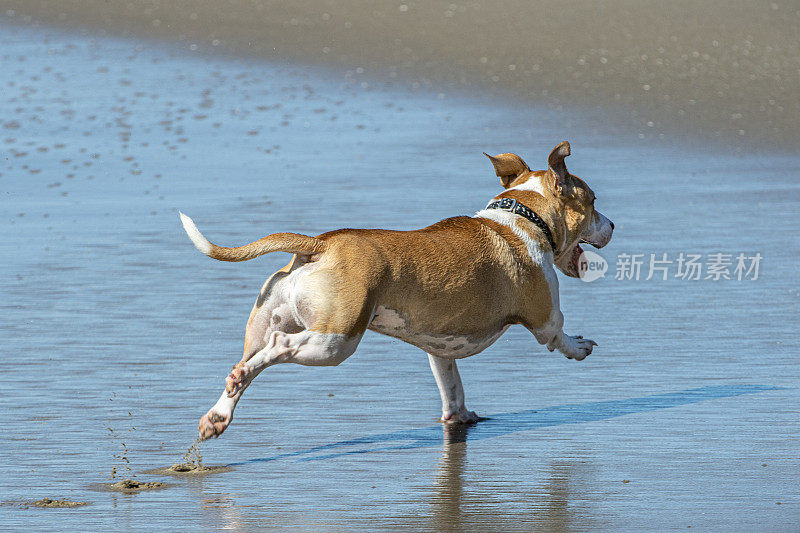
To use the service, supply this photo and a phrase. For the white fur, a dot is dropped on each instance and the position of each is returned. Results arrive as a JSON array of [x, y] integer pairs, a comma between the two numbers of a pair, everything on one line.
[[445, 372], [200, 242], [282, 337], [390, 322], [552, 328], [534, 183], [308, 348], [386, 318], [573, 347]]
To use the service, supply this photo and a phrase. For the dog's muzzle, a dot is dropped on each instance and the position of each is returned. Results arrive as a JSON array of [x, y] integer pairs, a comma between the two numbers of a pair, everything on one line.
[[598, 234]]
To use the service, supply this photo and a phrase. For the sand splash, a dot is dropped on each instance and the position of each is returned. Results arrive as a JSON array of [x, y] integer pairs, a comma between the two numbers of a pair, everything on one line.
[[192, 459], [191, 464]]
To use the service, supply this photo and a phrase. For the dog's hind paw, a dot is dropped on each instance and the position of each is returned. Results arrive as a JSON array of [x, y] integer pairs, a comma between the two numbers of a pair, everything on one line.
[[213, 424], [462, 416], [236, 380]]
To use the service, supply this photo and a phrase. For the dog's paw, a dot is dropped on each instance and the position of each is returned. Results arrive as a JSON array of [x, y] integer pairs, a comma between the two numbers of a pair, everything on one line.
[[576, 347], [235, 382], [213, 424], [462, 416]]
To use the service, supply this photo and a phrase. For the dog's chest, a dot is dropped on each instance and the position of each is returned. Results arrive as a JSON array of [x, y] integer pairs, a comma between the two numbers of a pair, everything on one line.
[[390, 322]]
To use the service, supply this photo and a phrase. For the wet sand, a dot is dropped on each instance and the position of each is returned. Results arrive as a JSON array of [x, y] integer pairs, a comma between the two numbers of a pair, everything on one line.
[[56, 504], [132, 486], [717, 72], [189, 470]]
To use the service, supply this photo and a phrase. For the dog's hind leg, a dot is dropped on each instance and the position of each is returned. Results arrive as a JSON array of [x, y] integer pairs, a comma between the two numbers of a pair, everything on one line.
[[219, 417], [328, 334], [270, 312], [308, 348], [454, 410]]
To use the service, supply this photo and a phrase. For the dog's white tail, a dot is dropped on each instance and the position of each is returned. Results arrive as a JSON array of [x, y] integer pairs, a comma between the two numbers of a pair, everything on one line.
[[293, 243]]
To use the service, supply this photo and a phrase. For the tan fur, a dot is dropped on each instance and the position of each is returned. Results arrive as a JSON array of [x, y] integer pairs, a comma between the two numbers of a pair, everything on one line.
[[294, 243], [433, 275], [508, 167], [567, 216]]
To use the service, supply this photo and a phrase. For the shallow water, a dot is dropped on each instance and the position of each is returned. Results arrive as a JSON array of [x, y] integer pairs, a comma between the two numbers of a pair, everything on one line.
[[116, 330]]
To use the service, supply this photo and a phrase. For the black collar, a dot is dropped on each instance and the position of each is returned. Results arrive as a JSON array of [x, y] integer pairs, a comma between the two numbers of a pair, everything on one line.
[[510, 204]]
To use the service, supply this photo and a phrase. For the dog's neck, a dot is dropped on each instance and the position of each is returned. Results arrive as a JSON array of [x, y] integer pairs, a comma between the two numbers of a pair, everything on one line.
[[514, 206]]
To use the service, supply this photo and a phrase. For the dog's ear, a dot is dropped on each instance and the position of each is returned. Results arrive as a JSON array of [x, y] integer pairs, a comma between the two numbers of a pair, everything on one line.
[[508, 167], [556, 165]]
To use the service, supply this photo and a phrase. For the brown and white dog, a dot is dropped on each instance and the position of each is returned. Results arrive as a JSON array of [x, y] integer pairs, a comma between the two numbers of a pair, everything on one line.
[[451, 289]]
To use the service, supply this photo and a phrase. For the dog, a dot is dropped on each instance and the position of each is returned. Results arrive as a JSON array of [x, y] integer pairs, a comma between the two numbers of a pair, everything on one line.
[[451, 289]]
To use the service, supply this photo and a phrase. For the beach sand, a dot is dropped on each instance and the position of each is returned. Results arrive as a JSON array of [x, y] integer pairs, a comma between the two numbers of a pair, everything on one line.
[[716, 72]]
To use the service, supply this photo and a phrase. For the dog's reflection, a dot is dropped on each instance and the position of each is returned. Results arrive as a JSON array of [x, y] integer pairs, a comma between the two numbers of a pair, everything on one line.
[[459, 501], [449, 482]]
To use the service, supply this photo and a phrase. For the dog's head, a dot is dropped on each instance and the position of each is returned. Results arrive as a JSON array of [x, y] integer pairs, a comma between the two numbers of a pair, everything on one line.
[[564, 200]]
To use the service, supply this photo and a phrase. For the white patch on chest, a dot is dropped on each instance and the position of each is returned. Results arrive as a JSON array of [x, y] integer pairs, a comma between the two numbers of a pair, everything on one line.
[[390, 322]]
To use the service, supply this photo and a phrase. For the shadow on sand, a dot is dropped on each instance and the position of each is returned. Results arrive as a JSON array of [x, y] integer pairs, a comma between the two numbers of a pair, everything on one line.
[[507, 423]]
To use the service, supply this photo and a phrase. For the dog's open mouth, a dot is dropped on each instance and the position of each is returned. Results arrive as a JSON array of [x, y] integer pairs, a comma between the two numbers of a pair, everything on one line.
[[574, 260], [569, 261], [590, 243], [572, 264]]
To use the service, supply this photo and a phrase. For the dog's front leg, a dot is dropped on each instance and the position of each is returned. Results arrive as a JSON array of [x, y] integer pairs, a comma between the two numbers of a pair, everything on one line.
[[573, 347], [551, 334], [454, 411]]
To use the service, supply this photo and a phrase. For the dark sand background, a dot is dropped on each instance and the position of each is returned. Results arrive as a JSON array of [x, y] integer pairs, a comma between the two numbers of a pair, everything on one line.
[[727, 72]]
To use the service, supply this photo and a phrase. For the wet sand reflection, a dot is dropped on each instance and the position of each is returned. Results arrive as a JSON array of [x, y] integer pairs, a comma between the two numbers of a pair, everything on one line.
[[561, 503], [508, 423]]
